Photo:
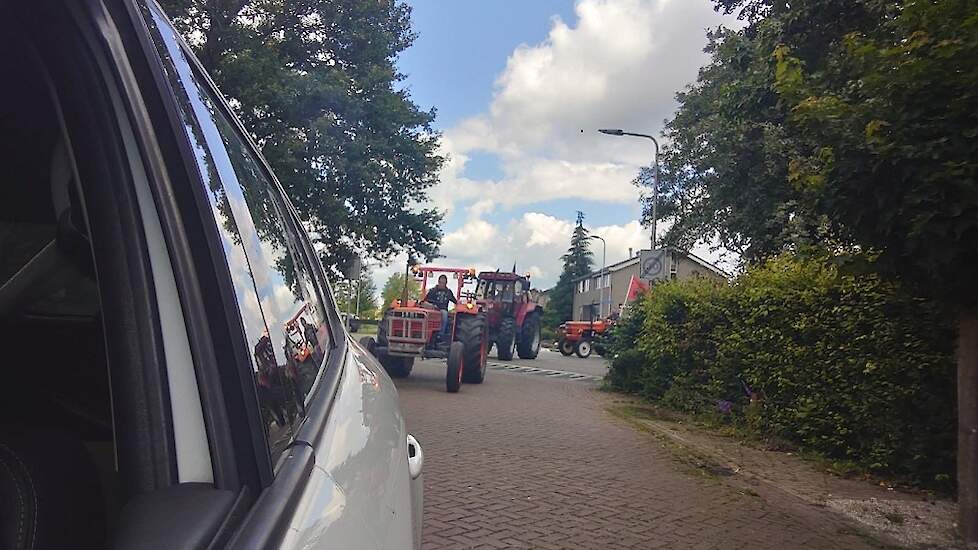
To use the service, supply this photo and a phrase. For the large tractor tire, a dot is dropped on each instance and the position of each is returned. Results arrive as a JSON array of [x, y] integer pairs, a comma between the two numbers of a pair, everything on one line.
[[453, 376], [529, 344], [583, 348], [506, 339], [397, 367], [566, 347], [471, 331]]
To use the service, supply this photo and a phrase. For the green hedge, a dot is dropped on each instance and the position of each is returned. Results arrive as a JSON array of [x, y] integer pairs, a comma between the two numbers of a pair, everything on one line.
[[851, 367]]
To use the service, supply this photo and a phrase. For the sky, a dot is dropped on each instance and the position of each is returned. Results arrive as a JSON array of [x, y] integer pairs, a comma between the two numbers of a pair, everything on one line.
[[520, 90]]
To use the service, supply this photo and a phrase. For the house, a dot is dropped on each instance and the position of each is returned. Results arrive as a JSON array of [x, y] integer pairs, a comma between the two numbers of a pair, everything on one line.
[[600, 292]]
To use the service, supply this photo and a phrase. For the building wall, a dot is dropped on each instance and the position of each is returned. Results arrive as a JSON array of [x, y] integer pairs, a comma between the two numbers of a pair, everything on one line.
[[619, 279], [589, 302], [689, 269]]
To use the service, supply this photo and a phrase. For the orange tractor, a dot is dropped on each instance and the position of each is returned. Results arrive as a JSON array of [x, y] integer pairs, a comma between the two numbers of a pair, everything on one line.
[[411, 329], [581, 337]]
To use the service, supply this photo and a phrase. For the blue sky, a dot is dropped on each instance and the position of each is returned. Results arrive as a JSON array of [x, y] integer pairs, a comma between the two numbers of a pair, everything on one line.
[[514, 84]]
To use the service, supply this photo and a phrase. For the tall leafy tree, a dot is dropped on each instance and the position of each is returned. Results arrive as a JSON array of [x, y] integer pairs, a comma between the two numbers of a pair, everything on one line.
[[360, 297], [394, 289], [577, 263], [852, 124], [887, 127], [725, 168], [315, 82]]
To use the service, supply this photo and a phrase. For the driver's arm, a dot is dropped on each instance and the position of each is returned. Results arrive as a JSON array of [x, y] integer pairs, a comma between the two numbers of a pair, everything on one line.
[[451, 297]]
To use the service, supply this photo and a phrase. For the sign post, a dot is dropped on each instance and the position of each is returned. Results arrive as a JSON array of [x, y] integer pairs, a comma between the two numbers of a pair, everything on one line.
[[652, 265]]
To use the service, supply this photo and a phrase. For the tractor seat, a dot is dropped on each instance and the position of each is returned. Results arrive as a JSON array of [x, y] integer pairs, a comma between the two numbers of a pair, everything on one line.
[[50, 495]]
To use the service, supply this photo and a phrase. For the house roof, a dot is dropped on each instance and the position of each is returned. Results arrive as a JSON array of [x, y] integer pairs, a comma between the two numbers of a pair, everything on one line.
[[634, 260]]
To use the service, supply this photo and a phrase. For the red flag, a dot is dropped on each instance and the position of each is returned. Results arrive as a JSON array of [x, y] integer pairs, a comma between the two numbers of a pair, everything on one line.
[[636, 287]]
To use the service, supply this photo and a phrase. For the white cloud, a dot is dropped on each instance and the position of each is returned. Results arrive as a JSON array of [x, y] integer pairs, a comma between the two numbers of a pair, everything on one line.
[[619, 65], [473, 239], [534, 241]]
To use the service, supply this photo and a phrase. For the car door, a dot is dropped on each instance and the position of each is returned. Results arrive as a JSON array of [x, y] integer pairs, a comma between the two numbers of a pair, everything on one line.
[[329, 419]]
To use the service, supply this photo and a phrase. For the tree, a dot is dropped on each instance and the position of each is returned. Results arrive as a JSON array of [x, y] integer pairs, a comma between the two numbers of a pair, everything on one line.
[[394, 289], [314, 81], [887, 127], [363, 295], [577, 263], [848, 124], [725, 168]]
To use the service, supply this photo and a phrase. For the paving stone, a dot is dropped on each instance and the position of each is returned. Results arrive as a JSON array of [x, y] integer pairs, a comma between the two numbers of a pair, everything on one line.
[[529, 461]]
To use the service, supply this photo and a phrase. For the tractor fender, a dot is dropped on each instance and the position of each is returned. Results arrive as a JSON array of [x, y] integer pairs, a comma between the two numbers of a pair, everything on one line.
[[523, 311]]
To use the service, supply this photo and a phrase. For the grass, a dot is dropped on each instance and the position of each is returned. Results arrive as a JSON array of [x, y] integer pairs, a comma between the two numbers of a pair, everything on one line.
[[366, 330], [719, 425]]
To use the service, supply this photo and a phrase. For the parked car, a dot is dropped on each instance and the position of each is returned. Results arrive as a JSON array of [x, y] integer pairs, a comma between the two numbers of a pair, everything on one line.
[[352, 322], [176, 374]]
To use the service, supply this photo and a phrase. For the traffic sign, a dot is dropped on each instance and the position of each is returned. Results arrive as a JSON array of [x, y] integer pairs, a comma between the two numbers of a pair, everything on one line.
[[652, 264]]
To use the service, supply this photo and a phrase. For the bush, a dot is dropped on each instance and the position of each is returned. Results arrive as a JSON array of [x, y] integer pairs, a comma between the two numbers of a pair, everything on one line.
[[849, 366]]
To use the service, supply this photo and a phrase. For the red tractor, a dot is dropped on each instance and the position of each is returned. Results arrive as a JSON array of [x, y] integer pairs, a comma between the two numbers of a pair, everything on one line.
[[581, 337], [514, 319], [411, 329]]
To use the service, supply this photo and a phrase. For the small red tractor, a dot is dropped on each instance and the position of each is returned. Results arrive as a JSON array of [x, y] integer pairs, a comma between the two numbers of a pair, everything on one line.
[[514, 319], [581, 337], [411, 329]]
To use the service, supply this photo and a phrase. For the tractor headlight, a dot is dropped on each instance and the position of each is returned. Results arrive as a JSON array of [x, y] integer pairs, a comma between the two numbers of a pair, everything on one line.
[[470, 305]]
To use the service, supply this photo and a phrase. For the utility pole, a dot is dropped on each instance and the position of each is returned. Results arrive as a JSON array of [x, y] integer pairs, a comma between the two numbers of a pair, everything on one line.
[[655, 172]]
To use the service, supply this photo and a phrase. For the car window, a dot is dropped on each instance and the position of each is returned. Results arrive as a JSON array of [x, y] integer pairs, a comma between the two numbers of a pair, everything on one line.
[[283, 316]]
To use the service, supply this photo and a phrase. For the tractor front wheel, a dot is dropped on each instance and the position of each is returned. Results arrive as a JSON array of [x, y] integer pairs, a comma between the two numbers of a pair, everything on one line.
[[397, 367], [369, 344], [566, 347], [453, 378], [506, 339], [583, 348], [529, 345], [471, 331]]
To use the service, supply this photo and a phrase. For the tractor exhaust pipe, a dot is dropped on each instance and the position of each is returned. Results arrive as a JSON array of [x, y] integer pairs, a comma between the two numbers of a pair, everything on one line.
[[407, 273]]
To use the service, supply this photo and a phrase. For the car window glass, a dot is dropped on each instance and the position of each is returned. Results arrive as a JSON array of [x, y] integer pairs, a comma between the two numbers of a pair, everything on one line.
[[275, 293]]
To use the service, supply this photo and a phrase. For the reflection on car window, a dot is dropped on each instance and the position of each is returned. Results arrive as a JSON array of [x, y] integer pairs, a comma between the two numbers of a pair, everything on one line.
[[283, 316]]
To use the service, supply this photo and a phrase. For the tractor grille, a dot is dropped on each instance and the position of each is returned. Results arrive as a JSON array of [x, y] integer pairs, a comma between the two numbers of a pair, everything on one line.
[[407, 326]]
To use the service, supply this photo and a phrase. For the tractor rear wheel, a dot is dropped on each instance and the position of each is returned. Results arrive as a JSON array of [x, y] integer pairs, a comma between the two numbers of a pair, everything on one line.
[[583, 348], [529, 344], [566, 347], [453, 376], [471, 331], [506, 339]]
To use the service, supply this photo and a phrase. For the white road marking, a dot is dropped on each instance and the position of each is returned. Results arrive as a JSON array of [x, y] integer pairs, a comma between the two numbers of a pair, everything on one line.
[[549, 373]]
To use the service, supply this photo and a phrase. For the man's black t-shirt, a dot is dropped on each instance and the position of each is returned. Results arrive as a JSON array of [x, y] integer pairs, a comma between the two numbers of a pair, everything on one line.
[[440, 296]]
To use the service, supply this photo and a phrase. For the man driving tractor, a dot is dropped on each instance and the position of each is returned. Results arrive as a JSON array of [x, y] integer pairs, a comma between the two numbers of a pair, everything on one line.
[[439, 296]]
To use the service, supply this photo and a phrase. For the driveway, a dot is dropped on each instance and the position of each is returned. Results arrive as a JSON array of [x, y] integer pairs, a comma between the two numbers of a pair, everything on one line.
[[534, 461]]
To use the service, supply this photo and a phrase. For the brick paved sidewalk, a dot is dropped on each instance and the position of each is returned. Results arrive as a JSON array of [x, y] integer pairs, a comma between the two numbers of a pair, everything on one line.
[[526, 462]]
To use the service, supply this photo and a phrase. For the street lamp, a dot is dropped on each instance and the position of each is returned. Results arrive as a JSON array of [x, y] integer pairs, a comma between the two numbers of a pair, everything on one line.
[[604, 263], [655, 172]]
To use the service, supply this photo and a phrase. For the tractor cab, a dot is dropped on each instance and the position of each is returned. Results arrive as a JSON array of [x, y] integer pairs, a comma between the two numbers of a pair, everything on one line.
[[501, 290]]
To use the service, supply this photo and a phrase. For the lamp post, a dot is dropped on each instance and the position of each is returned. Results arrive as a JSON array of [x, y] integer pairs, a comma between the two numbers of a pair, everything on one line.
[[604, 264], [655, 172]]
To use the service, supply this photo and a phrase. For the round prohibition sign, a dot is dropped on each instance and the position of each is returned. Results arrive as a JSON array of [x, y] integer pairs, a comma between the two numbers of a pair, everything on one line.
[[651, 267]]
